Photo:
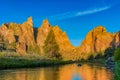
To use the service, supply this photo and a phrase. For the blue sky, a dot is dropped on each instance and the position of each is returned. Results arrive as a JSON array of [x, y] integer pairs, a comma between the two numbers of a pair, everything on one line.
[[76, 17]]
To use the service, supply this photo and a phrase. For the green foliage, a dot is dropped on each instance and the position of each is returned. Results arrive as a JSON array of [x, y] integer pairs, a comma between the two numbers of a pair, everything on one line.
[[15, 60], [117, 54], [109, 52], [99, 56], [91, 57], [33, 49], [51, 47], [117, 71]]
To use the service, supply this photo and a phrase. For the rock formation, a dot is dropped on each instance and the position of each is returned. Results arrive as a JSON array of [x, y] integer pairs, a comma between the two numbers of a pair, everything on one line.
[[42, 34], [97, 41], [60, 37], [27, 39], [66, 49], [21, 34], [116, 41]]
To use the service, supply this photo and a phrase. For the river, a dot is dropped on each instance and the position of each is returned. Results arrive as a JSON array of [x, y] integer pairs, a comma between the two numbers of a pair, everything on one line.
[[64, 72]]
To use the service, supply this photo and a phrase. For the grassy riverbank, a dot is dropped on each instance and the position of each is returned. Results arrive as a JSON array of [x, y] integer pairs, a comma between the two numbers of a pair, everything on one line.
[[7, 63], [19, 62], [13, 60]]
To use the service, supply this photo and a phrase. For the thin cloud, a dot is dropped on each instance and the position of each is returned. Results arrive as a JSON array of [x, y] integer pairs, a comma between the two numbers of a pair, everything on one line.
[[78, 13], [92, 11]]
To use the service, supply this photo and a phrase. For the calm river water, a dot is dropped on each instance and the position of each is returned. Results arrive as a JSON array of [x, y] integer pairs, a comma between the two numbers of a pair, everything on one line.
[[66, 72]]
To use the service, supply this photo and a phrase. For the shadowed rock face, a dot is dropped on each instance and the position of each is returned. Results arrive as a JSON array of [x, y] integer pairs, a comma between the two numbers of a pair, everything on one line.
[[27, 38]]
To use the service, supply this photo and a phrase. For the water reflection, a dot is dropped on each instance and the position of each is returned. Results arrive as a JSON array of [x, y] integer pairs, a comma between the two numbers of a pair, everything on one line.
[[67, 72], [76, 77]]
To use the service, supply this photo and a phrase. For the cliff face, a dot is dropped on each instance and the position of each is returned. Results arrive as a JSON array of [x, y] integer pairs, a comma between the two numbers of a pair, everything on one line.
[[21, 34], [25, 36], [97, 41], [42, 34], [64, 44], [60, 37], [116, 41], [26, 39]]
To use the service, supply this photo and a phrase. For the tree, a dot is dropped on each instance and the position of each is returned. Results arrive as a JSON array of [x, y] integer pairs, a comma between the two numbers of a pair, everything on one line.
[[109, 52], [51, 48], [91, 57], [33, 49], [117, 54]]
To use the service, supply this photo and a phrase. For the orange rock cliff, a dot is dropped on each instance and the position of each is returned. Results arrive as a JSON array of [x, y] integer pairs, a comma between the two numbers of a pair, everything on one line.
[[24, 39]]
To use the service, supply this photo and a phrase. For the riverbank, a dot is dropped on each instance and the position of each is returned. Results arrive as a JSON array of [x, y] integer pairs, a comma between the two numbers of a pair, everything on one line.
[[14, 60], [18, 62], [12, 63]]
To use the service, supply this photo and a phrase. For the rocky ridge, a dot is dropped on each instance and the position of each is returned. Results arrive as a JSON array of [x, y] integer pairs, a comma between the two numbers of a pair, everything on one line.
[[24, 38]]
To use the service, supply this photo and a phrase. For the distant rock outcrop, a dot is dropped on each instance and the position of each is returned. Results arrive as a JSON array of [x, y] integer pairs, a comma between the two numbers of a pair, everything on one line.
[[97, 41]]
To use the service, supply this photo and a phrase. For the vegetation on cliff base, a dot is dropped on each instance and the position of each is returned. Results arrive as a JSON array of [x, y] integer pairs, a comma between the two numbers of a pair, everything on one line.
[[51, 47], [33, 49], [117, 71], [15, 60], [117, 54]]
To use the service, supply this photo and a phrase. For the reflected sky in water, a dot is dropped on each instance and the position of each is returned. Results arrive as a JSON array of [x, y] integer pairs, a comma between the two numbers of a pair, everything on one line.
[[76, 77], [66, 72]]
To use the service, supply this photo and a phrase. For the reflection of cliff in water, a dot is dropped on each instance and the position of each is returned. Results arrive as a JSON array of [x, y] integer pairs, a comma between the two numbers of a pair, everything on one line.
[[67, 72]]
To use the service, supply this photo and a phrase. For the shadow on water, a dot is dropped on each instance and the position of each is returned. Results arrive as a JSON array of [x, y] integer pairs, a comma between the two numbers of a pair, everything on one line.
[[66, 72]]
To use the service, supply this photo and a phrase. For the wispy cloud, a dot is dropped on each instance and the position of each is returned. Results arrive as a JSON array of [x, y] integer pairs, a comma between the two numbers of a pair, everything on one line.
[[92, 11], [77, 13]]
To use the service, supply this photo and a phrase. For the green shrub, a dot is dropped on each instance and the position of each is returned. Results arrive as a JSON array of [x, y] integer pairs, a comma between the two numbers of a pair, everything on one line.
[[117, 54], [117, 71], [33, 49]]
